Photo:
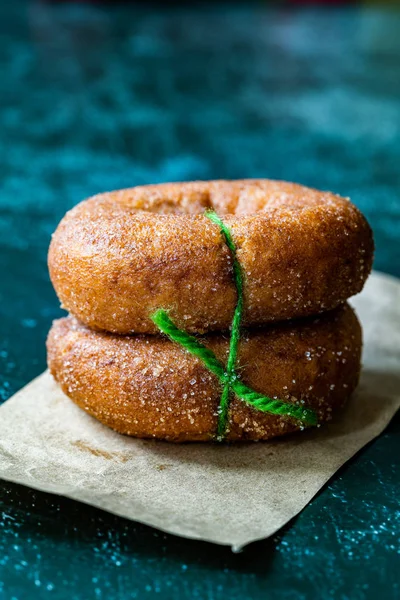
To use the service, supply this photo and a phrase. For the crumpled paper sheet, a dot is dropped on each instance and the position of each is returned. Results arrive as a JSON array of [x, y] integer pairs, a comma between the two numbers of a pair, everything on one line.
[[229, 495]]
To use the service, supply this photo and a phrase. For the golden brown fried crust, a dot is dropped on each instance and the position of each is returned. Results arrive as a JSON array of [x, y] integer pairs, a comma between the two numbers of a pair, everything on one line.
[[117, 257], [147, 386]]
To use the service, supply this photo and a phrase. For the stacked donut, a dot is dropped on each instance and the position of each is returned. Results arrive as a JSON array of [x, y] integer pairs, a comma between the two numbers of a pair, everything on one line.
[[119, 257]]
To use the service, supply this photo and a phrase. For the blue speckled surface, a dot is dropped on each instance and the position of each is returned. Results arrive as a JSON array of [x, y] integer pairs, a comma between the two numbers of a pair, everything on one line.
[[94, 98]]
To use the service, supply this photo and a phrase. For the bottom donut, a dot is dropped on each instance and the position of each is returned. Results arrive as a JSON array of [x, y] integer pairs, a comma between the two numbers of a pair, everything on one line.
[[149, 387]]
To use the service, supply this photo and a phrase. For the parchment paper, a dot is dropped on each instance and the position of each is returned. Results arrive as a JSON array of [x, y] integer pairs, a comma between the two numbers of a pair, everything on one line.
[[224, 494]]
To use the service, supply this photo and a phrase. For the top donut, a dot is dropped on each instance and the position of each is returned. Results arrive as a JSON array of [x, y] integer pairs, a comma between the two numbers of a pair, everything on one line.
[[117, 257]]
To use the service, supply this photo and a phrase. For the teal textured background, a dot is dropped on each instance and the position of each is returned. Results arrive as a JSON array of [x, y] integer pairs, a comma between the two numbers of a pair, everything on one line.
[[95, 98]]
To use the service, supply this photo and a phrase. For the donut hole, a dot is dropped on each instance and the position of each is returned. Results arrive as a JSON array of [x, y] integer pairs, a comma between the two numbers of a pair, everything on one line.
[[160, 201]]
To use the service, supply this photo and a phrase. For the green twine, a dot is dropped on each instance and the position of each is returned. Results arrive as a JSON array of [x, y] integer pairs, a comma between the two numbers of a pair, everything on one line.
[[227, 375], [235, 328], [190, 343], [207, 356]]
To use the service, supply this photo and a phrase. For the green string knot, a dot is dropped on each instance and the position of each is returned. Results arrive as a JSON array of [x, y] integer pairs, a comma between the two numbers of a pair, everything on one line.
[[227, 375]]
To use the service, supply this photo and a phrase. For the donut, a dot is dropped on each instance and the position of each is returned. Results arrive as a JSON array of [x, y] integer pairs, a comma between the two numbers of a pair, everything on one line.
[[148, 387], [117, 257]]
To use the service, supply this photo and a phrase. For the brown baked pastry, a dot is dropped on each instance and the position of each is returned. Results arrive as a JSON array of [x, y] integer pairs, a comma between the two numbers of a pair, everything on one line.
[[149, 387], [117, 257]]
